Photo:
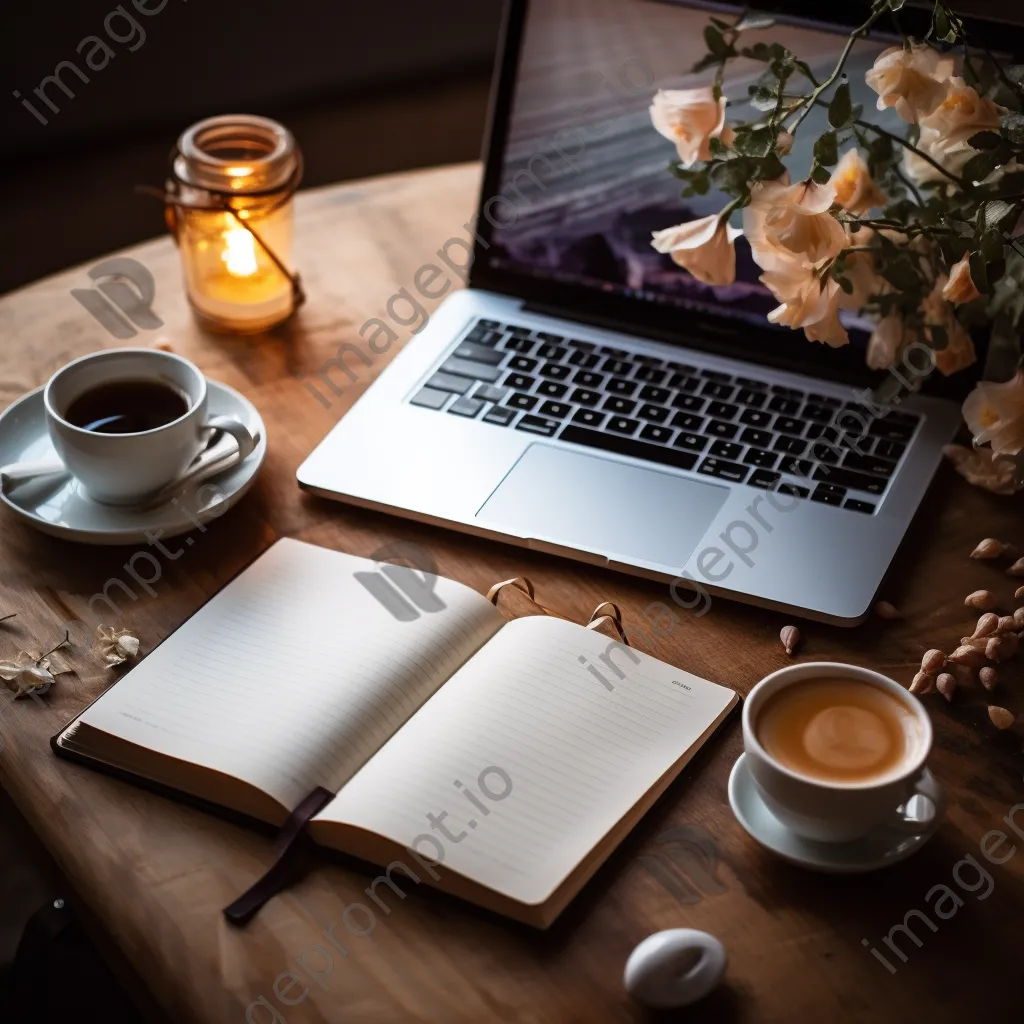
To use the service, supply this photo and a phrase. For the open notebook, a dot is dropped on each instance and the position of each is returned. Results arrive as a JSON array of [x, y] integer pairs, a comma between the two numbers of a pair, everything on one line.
[[513, 756]]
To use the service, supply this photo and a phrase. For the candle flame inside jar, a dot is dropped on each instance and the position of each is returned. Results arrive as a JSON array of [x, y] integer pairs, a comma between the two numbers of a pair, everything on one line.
[[239, 253]]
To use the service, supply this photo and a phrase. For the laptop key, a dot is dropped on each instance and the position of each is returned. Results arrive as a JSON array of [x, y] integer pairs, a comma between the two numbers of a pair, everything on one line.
[[763, 459], [618, 386], [538, 425], [520, 401], [821, 451], [657, 413], [687, 421], [799, 467], [619, 353], [547, 336], [725, 449], [555, 370], [869, 464], [499, 415], [724, 470], [623, 425], [588, 379], [694, 442], [756, 417], [484, 337], [520, 381], [756, 399], [430, 398], [758, 438], [821, 413], [584, 360], [582, 396], [889, 449], [652, 432], [521, 345], [749, 382], [448, 382], [588, 417], [713, 389], [471, 350], [827, 495], [557, 409], [466, 407], [682, 367], [551, 352], [789, 445], [789, 425], [619, 366], [492, 324], [649, 393], [690, 403], [855, 505], [472, 369], [551, 389], [716, 375], [722, 410], [524, 332], [683, 383], [489, 393], [889, 429], [788, 406], [586, 346], [522, 364], [848, 478], [631, 446], [651, 374], [781, 389], [613, 403], [716, 428], [788, 488], [763, 478]]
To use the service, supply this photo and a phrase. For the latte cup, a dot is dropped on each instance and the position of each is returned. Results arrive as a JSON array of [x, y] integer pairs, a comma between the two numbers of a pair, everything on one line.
[[908, 798], [126, 469]]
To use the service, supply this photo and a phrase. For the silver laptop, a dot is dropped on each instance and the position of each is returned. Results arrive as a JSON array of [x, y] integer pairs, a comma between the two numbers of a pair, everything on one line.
[[584, 396]]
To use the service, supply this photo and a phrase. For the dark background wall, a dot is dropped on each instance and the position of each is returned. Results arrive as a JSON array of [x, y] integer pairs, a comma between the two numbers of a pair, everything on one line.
[[366, 87]]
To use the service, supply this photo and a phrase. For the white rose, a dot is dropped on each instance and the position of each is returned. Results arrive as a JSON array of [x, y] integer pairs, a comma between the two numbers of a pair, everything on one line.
[[704, 247], [691, 118], [913, 80]]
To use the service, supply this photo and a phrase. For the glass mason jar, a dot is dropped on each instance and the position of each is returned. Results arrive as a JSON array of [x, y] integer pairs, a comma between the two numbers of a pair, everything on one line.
[[230, 208]]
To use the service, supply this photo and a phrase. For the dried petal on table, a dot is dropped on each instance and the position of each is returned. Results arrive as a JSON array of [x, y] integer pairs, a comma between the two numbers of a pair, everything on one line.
[[1001, 718], [116, 645]]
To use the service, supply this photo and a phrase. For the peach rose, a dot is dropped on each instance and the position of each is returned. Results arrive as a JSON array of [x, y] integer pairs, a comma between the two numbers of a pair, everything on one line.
[[810, 303], [690, 118], [959, 351], [856, 191], [913, 80], [789, 227], [960, 286], [704, 247], [887, 341], [962, 113], [995, 414]]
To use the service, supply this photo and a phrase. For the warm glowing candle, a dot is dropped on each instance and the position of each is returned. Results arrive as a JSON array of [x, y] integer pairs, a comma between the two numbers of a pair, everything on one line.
[[251, 165]]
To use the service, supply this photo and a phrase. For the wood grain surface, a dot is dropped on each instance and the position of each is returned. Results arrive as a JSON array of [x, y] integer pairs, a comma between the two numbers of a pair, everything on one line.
[[155, 874]]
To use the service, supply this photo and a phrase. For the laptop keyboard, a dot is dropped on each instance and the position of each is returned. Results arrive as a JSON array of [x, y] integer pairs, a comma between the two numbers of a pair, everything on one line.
[[735, 428]]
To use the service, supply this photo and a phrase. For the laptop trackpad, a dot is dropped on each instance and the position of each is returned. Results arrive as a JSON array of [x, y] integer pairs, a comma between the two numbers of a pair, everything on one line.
[[595, 504]]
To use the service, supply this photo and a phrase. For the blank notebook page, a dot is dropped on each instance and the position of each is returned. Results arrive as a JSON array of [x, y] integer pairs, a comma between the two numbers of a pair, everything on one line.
[[577, 754], [294, 674]]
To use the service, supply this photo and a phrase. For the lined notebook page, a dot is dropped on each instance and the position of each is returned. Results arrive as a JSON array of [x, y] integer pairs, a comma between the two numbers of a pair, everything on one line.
[[578, 754], [295, 673]]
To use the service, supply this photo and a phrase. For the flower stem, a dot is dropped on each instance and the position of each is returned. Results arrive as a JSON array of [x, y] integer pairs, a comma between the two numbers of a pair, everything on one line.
[[4, 618], [907, 145], [57, 647]]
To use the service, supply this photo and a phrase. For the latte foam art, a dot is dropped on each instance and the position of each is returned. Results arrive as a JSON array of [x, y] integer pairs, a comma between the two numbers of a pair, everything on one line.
[[847, 739]]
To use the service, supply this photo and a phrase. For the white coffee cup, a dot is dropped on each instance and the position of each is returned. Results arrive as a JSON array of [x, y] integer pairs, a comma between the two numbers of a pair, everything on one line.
[[840, 812], [125, 469]]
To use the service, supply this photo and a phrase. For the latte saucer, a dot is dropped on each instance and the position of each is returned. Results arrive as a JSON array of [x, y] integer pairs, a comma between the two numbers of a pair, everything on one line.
[[879, 849], [60, 507]]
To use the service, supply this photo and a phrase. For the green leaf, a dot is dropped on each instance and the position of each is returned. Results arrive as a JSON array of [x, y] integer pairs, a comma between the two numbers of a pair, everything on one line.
[[1013, 127], [846, 284], [895, 5], [995, 269], [939, 337], [940, 23], [826, 151], [979, 274], [709, 60], [902, 274], [992, 246], [840, 108], [820, 174], [770, 167], [716, 42], [718, 23], [979, 167], [717, 147], [992, 213], [700, 184], [970, 77], [754, 20], [984, 140], [756, 142]]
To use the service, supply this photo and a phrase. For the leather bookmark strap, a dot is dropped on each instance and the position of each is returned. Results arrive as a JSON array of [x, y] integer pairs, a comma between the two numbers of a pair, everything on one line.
[[286, 848]]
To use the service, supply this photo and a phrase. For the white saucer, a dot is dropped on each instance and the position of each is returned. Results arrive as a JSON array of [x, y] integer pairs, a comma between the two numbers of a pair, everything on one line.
[[61, 507], [878, 850]]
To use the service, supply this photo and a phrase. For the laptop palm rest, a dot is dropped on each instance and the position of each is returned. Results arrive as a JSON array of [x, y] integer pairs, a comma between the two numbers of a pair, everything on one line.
[[586, 502]]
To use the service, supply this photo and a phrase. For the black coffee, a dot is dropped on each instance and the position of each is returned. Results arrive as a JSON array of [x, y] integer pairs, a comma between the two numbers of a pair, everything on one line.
[[127, 407]]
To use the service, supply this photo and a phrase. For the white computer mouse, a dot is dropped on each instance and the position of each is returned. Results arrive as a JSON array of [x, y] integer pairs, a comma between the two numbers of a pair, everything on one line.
[[674, 968]]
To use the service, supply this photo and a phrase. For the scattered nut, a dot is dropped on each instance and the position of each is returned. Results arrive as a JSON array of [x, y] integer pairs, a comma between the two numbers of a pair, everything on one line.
[[1001, 718], [976, 643], [790, 637], [990, 548], [968, 656], [946, 685], [964, 673], [987, 625], [988, 678], [924, 682], [932, 661], [1018, 618], [1017, 569], [1019, 593], [983, 600], [1006, 624], [885, 610], [999, 648]]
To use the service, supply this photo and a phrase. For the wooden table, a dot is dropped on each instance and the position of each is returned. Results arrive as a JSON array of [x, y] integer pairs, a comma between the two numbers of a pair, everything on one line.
[[155, 874]]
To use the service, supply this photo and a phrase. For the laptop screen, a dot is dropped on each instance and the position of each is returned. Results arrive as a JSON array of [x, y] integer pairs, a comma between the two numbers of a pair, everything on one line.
[[579, 178]]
